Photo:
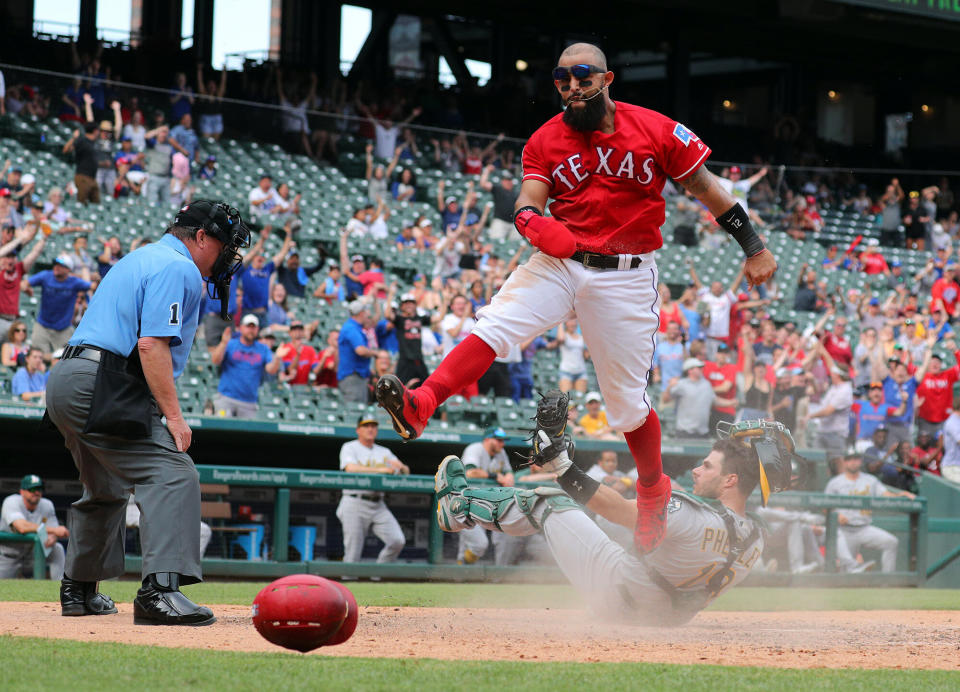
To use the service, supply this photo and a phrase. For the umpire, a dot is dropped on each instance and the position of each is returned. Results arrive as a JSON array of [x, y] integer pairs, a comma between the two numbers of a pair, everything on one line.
[[107, 396]]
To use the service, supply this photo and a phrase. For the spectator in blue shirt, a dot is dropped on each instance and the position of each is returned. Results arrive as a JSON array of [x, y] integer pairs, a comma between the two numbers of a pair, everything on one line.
[[405, 238], [184, 135], [331, 290], [355, 355], [688, 306], [55, 320], [255, 277], [669, 356], [899, 389], [243, 363], [30, 381], [521, 373]]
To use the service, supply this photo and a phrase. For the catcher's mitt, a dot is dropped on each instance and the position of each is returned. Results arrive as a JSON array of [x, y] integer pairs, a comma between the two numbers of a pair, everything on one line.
[[775, 449], [551, 420]]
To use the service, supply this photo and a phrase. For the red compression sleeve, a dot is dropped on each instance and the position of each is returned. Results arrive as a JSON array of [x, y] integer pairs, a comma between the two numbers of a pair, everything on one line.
[[463, 366], [546, 233], [644, 443]]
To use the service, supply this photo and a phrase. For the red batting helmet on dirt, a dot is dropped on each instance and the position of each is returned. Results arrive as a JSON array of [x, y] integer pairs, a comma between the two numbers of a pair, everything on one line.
[[303, 612]]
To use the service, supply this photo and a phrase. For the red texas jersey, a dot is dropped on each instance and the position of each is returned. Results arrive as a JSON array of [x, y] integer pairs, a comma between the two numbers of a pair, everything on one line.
[[606, 187]]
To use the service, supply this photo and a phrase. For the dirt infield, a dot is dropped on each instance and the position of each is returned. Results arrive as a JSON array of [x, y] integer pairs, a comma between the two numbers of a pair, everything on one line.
[[831, 639]]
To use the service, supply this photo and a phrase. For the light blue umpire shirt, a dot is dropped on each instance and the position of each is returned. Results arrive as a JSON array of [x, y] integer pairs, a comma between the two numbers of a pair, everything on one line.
[[155, 291]]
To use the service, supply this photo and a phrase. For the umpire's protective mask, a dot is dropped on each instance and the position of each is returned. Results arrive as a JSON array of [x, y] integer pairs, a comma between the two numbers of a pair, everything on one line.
[[223, 223]]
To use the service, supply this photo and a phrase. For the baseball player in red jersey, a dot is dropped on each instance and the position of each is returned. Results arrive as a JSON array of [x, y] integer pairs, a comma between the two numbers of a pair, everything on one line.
[[604, 164]]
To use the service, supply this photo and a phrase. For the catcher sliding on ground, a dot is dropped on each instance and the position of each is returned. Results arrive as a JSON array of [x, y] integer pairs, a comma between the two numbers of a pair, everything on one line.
[[710, 545], [604, 164]]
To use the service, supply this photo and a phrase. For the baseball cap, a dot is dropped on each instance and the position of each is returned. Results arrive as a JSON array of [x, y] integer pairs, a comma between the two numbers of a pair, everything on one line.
[[106, 125], [367, 419], [89, 127], [16, 169], [722, 348], [692, 363], [895, 263], [293, 252], [876, 385], [356, 258], [425, 223], [211, 157], [267, 176], [125, 138], [852, 453], [735, 169], [64, 261], [38, 204], [31, 482], [495, 431], [296, 324], [407, 298], [592, 396], [782, 372], [874, 301], [250, 319], [450, 200], [420, 277], [357, 306]]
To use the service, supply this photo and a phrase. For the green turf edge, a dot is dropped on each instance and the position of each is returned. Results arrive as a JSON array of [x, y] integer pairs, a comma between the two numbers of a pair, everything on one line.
[[432, 595], [64, 664]]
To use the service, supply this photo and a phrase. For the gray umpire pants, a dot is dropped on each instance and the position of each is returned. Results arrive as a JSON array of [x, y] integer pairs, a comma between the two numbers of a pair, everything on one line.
[[164, 481]]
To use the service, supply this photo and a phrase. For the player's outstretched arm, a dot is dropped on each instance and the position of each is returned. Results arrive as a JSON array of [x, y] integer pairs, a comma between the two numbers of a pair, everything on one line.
[[613, 507], [702, 184]]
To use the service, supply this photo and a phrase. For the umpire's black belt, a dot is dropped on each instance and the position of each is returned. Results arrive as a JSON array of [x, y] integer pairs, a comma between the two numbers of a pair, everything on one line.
[[94, 354], [593, 260]]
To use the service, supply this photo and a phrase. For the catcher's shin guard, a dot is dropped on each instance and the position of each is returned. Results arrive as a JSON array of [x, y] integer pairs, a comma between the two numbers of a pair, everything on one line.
[[449, 481]]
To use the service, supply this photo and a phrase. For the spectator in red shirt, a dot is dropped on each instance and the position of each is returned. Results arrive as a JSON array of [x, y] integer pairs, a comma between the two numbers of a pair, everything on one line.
[[11, 273], [927, 454], [298, 357], [837, 344], [372, 279], [871, 261], [935, 393], [670, 312], [325, 368], [722, 375], [945, 291]]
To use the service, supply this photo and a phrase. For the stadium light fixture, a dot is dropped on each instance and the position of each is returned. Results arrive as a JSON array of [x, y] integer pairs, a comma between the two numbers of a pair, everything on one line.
[[926, 108], [521, 65], [728, 105], [833, 95]]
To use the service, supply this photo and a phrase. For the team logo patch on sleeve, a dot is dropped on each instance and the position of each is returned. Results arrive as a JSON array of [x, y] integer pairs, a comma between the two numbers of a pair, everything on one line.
[[684, 135], [674, 505]]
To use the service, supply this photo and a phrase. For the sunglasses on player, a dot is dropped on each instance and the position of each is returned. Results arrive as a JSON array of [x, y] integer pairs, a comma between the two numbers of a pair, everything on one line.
[[562, 74]]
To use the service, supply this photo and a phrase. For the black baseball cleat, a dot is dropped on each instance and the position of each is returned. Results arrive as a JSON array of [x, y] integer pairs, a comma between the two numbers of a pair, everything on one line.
[[81, 598], [160, 602], [401, 404]]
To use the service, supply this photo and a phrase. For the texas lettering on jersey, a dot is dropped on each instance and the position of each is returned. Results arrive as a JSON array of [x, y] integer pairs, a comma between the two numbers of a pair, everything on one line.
[[606, 187]]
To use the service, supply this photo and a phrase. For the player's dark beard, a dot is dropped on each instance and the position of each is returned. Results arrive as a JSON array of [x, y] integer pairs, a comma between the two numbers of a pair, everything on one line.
[[589, 117]]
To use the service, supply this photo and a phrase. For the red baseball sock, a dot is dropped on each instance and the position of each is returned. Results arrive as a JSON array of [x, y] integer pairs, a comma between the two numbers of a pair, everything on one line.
[[644, 443], [463, 366]]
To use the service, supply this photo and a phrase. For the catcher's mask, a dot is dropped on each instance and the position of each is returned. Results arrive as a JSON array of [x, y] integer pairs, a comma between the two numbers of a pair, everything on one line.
[[223, 223], [774, 446]]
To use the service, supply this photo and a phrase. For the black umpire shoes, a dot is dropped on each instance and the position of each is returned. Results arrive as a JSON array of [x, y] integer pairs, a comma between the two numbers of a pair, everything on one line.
[[159, 602], [81, 598]]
